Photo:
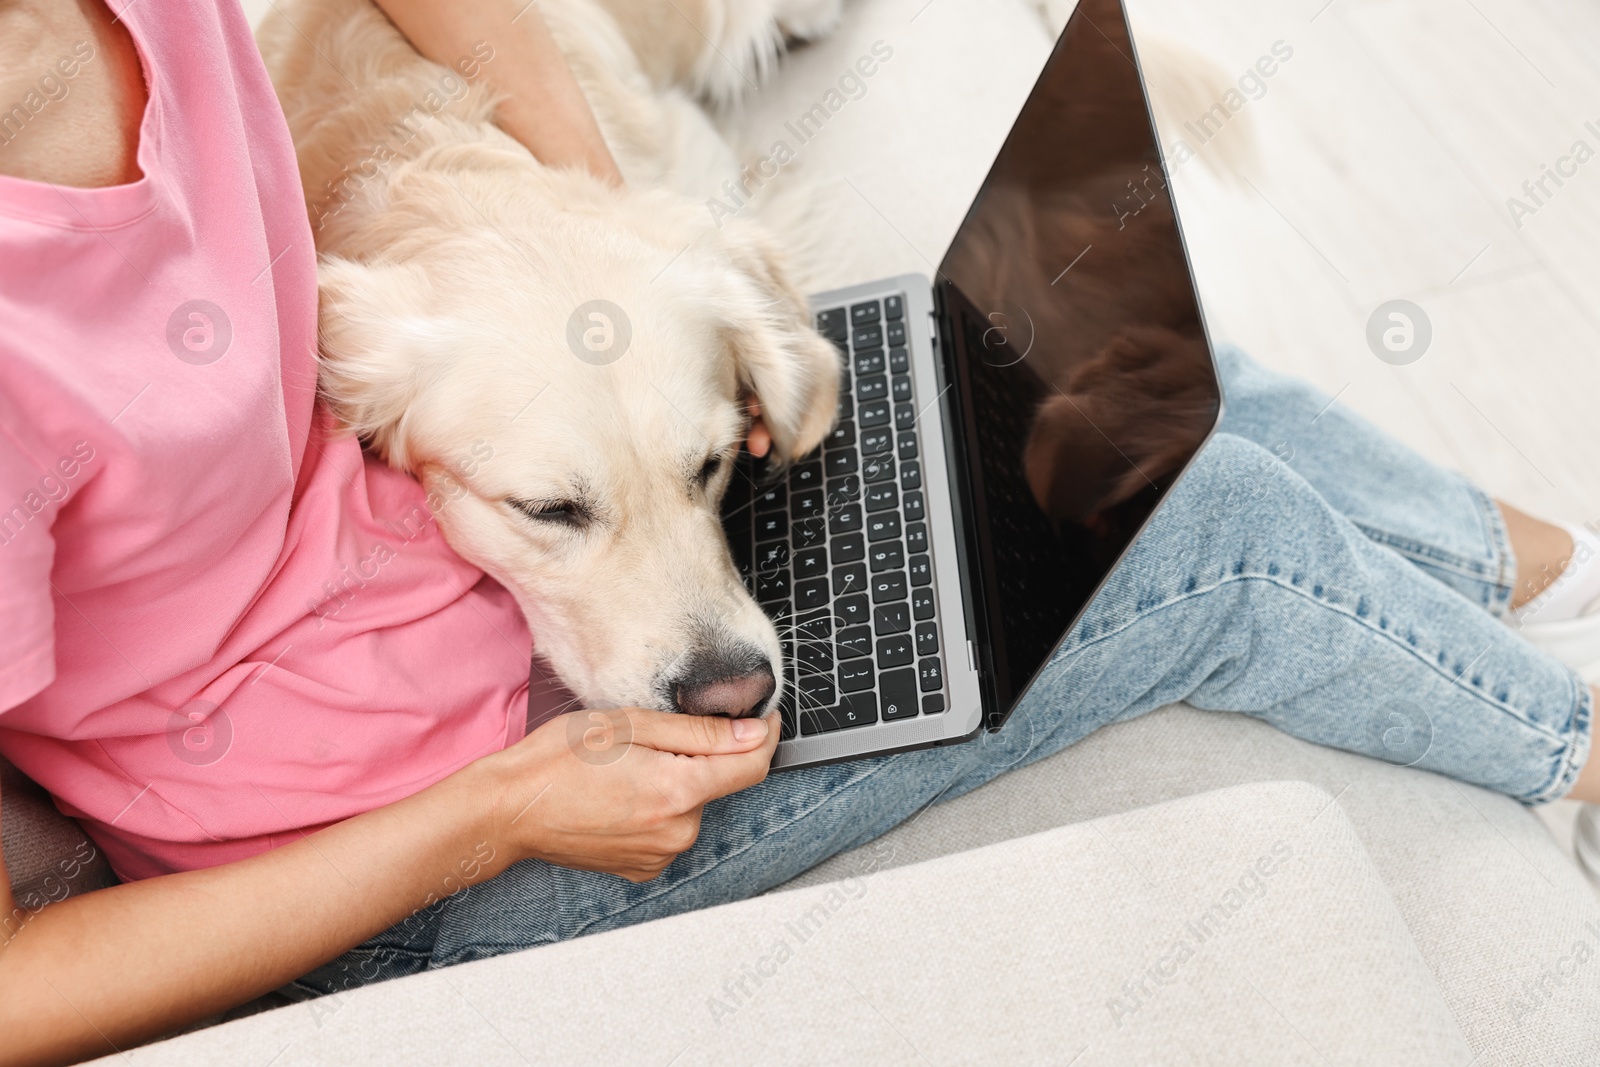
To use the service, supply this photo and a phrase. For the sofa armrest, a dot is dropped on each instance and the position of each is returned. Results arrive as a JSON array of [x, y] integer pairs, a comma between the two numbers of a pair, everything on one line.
[[1245, 925]]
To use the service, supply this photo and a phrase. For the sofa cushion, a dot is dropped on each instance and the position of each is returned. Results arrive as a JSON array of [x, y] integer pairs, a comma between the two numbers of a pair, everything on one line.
[[1247, 925], [1504, 920], [48, 856]]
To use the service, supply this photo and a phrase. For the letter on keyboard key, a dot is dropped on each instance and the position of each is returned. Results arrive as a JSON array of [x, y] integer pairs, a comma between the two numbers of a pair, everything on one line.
[[843, 435], [878, 469], [867, 337], [870, 361], [811, 562], [773, 524], [899, 692], [851, 611], [847, 549], [845, 520], [874, 387], [841, 463], [855, 675], [851, 579], [770, 590], [882, 496], [875, 441], [861, 314], [812, 594], [890, 586]]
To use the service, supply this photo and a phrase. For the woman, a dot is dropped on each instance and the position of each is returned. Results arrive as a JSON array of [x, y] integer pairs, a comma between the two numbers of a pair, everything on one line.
[[188, 529]]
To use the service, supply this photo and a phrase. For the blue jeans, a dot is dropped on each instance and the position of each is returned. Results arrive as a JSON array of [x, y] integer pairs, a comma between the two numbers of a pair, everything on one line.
[[1307, 570]]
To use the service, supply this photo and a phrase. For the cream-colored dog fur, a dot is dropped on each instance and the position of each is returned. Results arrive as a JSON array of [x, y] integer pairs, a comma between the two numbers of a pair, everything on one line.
[[453, 265]]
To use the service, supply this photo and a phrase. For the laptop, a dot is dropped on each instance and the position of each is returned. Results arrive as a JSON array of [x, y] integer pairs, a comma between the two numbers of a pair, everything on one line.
[[1004, 431]]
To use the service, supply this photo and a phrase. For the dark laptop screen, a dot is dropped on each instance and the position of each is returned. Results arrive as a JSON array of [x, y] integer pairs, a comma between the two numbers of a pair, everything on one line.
[[1083, 382]]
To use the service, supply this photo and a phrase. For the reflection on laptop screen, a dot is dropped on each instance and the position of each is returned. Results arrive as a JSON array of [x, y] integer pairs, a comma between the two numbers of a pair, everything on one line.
[[1084, 379]]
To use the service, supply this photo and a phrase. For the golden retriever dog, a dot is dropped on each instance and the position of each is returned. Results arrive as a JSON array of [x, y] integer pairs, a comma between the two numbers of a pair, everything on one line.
[[568, 364]]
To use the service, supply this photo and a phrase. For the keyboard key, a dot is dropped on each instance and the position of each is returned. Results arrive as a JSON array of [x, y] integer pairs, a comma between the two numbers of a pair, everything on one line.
[[913, 507], [884, 526], [922, 603], [773, 589], [894, 333], [876, 441], [933, 704], [899, 361], [894, 307], [905, 416], [872, 387], [807, 533], [851, 611], [889, 586], [895, 651], [772, 498], [861, 314], [890, 619], [855, 675], [851, 579], [841, 463], [815, 656], [772, 557], [773, 524], [786, 714], [882, 496], [911, 475], [906, 446], [916, 539], [811, 594], [833, 324], [927, 639], [810, 724], [847, 549], [874, 414], [843, 490], [901, 388], [845, 379], [843, 436], [816, 690], [867, 337], [921, 571], [815, 626], [806, 476], [899, 691], [856, 709], [870, 361], [809, 504], [930, 674], [810, 562], [847, 405], [888, 556], [844, 520], [855, 642], [877, 469]]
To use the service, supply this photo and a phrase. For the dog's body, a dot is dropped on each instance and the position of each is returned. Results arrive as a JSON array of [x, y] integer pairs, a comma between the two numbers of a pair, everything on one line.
[[567, 364]]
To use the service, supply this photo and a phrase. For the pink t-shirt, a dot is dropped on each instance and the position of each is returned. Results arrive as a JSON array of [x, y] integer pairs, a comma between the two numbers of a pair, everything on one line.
[[220, 625]]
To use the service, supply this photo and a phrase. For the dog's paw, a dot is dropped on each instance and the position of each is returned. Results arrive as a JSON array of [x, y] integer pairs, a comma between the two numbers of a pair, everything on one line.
[[807, 20]]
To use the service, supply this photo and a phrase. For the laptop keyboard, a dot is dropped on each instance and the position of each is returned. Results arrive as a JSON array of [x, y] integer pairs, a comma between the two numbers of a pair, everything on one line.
[[835, 549]]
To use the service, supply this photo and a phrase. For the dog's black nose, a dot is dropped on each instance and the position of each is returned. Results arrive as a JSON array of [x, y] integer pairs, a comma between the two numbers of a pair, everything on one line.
[[719, 684]]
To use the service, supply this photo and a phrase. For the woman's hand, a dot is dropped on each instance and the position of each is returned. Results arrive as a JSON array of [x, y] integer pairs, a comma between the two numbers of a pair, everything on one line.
[[621, 791]]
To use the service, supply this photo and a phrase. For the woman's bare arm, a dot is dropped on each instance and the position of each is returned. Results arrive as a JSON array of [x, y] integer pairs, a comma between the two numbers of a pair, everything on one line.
[[541, 104], [109, 969]]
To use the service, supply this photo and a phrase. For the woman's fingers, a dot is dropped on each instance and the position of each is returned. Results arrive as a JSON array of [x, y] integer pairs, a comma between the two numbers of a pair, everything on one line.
[[759, 440], [696, 735]]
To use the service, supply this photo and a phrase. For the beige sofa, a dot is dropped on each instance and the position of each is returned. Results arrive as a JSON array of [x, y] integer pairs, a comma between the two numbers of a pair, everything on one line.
[[1185, 888]]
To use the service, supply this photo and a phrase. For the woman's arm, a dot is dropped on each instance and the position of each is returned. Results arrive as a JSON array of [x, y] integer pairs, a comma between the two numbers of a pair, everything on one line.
[[111, 968], [541, 104]]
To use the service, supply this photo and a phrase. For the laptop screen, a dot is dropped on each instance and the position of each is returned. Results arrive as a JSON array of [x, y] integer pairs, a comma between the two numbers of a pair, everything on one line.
[[1083, 383]]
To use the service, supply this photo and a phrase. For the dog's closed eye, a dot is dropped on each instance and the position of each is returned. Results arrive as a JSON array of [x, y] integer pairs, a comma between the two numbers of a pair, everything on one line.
[[569, 513], [709, 469]]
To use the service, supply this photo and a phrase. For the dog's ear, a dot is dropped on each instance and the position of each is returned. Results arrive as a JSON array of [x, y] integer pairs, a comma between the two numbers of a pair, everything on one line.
[[374, 337], [777, 353]]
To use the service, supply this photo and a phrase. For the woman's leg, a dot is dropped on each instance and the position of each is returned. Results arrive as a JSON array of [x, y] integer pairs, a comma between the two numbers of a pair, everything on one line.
[[1249, 592], [1434, 517]]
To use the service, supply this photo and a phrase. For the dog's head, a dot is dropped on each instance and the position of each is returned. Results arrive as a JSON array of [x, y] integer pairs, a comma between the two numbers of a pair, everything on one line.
[[568, 370]]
